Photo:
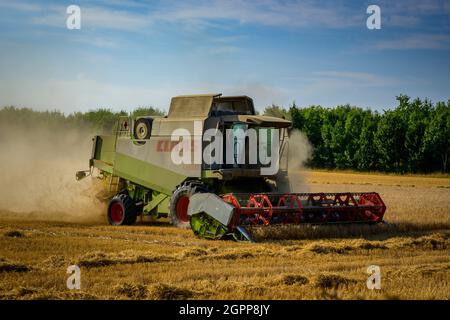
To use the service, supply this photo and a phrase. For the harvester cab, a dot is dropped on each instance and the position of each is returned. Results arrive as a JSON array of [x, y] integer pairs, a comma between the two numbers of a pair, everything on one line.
[[215, 166]]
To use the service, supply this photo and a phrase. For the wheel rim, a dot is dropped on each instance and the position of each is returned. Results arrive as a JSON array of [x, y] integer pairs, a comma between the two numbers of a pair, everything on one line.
[[182, 209], [141, 131], [116, 213]]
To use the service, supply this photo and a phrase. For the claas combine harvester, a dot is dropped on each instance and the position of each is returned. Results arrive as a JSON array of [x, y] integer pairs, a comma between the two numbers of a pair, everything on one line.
[[220, 199]]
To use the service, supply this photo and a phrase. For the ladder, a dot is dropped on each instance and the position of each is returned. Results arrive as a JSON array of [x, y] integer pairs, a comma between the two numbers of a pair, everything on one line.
[[113, 184]]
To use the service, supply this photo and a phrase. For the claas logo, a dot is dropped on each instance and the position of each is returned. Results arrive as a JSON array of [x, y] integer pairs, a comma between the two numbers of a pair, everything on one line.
[[165, 145]]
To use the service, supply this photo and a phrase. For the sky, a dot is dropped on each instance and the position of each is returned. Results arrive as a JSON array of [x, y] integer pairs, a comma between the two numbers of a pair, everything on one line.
[[129, 54]]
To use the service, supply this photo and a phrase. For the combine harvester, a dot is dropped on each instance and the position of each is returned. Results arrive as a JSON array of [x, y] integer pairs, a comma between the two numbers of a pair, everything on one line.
[[216, 199]]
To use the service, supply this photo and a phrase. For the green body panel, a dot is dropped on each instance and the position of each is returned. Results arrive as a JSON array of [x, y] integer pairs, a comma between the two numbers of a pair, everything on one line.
[[103, 166], [206, 227], [146, 174], [153, 202], [163, 207], [157, 201], [105, 148], [147, 183]]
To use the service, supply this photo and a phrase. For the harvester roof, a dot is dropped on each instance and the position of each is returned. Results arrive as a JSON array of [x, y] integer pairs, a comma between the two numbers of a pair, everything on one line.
[[192, 106]]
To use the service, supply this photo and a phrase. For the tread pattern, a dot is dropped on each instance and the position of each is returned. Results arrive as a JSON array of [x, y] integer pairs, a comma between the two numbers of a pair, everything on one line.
[[186, 188], [130, 211]]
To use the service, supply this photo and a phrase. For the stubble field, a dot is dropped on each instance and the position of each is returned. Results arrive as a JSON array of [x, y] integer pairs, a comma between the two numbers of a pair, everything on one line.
[[153, 260]]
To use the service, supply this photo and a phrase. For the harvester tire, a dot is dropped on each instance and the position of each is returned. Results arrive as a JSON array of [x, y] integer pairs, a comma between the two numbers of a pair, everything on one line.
[[143, 128], [179, 203], [122, 210]]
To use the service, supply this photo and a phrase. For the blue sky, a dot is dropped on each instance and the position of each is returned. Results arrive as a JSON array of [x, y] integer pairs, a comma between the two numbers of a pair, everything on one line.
[[140, 53]]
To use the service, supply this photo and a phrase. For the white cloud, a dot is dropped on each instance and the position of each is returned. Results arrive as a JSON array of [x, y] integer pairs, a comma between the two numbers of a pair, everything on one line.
[[399, 20], [416, 41], [219, 50], [447, 6], [265, 12], [195, 15], [94, 17], [99, 17], [412, 13], [353, 78], [96, 41], [20, 6]]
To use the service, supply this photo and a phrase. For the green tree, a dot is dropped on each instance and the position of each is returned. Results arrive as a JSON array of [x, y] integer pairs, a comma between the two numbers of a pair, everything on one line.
[[366, 156], [437, 134], [277, 111], [147, 111], [390, 141], [341, 133], [310, 121], [416, 115]]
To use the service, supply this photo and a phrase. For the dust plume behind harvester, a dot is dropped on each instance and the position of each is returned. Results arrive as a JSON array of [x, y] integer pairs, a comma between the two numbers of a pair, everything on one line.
[[216, 199]]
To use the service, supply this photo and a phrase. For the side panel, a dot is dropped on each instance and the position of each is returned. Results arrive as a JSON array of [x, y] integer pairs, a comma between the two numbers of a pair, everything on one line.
[[147, 174], [212, 205], [104, 149], [149, 162], [158, 150]]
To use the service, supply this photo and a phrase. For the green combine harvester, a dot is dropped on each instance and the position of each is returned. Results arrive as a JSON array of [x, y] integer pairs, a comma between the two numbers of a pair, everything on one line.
[[160, 167]]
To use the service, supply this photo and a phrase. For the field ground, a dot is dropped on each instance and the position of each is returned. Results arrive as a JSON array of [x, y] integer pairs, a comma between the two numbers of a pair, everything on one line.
[[157, 261]]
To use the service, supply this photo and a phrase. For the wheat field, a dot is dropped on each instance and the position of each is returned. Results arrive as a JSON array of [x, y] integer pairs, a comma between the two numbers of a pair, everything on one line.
[[153, 260]]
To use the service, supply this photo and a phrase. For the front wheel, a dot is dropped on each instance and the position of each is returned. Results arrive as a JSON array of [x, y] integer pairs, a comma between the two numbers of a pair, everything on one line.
[[121, 210], [179, 203]]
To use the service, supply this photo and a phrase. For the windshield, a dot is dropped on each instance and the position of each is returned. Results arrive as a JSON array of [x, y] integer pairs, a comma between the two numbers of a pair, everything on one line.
[[230, 107]]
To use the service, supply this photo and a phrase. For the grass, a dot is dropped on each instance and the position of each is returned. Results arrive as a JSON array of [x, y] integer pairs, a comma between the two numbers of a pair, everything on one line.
[[157, 261], [333, 281]]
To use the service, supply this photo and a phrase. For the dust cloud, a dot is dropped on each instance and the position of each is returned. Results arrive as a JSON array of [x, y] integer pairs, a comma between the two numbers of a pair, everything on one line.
[[37, 174], [298, 154]]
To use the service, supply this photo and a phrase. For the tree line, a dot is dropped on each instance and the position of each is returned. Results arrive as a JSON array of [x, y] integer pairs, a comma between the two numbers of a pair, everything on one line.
[[413, 137], [101, 120]]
